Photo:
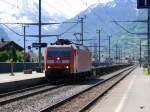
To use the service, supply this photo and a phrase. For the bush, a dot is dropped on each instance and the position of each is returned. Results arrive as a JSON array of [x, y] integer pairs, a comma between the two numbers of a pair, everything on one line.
[[4, 56], [145, 66], [20, 56]]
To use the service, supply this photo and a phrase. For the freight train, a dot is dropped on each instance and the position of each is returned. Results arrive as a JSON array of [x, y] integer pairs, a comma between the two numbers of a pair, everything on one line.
[[66, 59]]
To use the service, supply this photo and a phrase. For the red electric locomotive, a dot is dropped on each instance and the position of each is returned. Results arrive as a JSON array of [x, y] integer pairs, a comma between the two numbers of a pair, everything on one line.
[[64, 59]]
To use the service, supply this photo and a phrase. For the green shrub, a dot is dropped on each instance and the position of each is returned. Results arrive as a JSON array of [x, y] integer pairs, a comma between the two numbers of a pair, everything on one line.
[[4, 56], [145, 66], [20, 56]]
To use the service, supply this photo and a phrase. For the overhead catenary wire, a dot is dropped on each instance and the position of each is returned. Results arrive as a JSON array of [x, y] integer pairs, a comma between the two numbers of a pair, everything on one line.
[[71, 7], [70, 28], [116, 22], [25, 23], [88, 7], [12, 30], [95, 14], [42, 35], [123, 28], [17, 6], [127, 30], [32, 35], [26, 35]]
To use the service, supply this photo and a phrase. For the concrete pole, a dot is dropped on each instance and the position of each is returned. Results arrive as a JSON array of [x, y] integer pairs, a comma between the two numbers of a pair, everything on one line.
[[82, 30], [24, 30], [40, 54], [109, 47], [99, 37], [116, 53], [148, 40], [140, 53]]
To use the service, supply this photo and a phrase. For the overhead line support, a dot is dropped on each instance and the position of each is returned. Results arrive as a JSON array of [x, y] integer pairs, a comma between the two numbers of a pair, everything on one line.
[[148, 40], [40, 55], [99, 36]]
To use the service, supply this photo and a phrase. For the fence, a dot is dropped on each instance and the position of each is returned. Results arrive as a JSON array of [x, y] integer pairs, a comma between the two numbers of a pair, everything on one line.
[[18, 67]]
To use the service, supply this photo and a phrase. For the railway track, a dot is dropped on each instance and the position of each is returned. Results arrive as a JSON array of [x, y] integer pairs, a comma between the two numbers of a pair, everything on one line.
[[28, 92], [84, 99], [45, 97]]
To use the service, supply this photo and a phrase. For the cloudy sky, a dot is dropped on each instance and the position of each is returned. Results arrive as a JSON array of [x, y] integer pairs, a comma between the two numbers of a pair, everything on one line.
[[72, 7], [67, 8]]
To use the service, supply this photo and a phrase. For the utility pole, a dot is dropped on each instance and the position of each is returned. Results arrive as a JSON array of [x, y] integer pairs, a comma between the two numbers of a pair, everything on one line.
[[124, 54], [148, 40], [140, 53], [99, 36], [116, 52], [40, 54], [121, 55], [24, 30], [82, 29], [109, 46], [106, 52]]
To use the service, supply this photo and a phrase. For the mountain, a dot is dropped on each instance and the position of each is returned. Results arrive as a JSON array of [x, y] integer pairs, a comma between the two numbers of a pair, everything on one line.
[[27, 11], [95, 17], [103, 15]]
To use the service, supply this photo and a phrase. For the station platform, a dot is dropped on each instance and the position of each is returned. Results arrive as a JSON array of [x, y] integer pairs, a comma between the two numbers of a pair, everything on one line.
[[131, 95], [20, 80], [6, 77]]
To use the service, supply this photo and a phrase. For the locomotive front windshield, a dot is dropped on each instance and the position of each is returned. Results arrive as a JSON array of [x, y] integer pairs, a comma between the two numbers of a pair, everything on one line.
[[54, 52]]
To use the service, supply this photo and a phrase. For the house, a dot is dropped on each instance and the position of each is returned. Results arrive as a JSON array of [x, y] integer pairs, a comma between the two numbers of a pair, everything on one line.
[[8, 51], [6, 45]]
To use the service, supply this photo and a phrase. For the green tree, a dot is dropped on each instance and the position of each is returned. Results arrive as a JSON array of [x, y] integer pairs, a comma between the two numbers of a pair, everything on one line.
[[11, 54], [20, 56], [4, 56]]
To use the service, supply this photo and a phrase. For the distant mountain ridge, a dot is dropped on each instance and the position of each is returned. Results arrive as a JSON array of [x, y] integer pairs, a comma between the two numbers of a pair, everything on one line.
[[27, 11], [102, 16], [105, 14]]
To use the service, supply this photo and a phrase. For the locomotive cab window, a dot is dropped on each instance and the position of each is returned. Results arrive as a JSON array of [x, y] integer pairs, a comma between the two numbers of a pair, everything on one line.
[[53, 52]]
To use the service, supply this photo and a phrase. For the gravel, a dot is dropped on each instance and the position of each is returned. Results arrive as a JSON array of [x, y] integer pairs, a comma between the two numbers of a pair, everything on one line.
[[46, 99], [26, 93], [40, 101], [82, 100]]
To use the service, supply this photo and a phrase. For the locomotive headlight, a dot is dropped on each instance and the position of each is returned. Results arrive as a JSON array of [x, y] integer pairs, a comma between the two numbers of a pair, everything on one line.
[[58, 58], [67, 67]]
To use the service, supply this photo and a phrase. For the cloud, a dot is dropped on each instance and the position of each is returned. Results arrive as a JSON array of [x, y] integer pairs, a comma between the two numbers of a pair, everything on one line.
[[69, 8], [65, 8]]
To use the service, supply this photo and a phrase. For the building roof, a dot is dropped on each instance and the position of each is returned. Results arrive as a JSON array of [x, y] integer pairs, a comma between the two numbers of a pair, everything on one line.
[[4, 45]]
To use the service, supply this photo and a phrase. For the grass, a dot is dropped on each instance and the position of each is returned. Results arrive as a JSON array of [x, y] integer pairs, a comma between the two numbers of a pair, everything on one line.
[[146, 71]]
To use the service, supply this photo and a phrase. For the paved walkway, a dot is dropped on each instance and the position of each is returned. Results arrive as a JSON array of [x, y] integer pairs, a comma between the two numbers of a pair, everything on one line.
[[19, 76], [130, 95]]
